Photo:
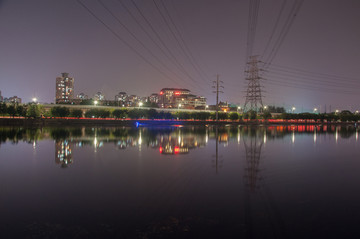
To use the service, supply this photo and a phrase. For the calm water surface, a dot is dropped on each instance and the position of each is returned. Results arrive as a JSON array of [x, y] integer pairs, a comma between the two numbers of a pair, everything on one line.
[[180, 182]]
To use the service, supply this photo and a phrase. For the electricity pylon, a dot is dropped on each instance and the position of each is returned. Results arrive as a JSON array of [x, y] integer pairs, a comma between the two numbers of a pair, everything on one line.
[[253, 99], [217, 91]]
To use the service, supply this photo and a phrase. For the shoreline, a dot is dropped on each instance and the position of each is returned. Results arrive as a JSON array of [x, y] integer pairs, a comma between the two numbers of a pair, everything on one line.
[[41, 122]]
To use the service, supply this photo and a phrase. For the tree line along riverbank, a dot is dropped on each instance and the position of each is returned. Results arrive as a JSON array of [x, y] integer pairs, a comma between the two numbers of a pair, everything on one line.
[[33, 112]]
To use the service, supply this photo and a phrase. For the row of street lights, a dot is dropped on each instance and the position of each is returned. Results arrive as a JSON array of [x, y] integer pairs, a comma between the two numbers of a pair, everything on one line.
[[315, 110]]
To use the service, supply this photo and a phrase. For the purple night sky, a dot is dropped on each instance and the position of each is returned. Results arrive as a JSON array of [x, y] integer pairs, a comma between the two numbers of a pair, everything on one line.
[[317, 63]]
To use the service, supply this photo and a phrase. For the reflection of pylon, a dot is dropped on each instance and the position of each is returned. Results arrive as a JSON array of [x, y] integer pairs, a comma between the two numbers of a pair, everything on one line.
[[217, 139], [253, 99], [253, 146]]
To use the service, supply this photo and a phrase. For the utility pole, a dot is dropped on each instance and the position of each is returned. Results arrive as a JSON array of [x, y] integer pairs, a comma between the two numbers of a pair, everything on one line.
[[253, 92], [217, 91]]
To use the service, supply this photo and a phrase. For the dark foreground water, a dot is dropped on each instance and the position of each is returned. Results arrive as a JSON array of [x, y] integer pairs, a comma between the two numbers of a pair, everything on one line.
[[246, 182]]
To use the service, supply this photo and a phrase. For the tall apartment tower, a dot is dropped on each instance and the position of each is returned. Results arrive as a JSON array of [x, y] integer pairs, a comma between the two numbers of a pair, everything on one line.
[[64, 88]]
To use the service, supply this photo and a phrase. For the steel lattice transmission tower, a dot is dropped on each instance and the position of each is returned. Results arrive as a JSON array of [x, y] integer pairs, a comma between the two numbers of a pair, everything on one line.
[[253, 99]]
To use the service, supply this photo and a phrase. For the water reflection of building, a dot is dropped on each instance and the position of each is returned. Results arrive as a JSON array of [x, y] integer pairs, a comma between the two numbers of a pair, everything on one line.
[[63, 153], [179, 143], [173, 149]]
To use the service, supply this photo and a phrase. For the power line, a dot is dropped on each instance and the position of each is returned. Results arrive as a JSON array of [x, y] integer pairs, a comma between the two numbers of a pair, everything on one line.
[[275, 26], [166, 54], [160, 39], [135, 37], [316, 80], [123, 41], [317, 74], [175, 37], [284, 31], [182, 39], [310, 87], [252, 25]]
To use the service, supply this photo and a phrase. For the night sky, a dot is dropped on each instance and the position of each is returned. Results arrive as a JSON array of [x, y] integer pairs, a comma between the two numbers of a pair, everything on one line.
[[316, 63]]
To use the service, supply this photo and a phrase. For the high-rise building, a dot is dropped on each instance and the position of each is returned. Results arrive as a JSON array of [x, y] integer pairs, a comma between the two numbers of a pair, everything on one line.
[[121, 98], [82, 96], [13, 99], [154, 98], [1, 98], [64, 88], [99, 96]]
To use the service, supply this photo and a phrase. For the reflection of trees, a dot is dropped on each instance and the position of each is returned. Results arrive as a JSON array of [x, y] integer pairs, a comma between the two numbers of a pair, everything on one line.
[[346, 132], [60, 134], [16, 135], [150, 136]]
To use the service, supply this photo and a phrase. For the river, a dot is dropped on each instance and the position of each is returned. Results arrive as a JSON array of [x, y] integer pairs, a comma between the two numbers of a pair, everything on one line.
[[180, 182]]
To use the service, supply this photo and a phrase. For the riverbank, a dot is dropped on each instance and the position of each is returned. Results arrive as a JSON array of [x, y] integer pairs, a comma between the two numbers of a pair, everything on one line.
[[145, 122]]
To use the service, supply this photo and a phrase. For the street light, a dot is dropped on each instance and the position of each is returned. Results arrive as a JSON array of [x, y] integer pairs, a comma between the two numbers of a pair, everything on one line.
[[207, 107], [315, 110], [34, 100], [140, 104], [265, 107], [336, 111], [179, 106], [293, 109], [96, 102], [239, 108]]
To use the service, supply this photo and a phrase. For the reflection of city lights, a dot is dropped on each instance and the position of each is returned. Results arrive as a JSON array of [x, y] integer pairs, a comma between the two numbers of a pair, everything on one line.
[[293, 137], [336, 135], [315, 136], [140, 141], [176, 149], [264, 137], [357, 135], [161, 149]]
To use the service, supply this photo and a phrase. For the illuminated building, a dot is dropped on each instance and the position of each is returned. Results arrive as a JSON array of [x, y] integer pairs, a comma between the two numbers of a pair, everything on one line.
[[180, 98], [121, 98], [82, 96], [13, 99], [99, 96], [64, 88], [132, 100], [200, 102], [154, 98]]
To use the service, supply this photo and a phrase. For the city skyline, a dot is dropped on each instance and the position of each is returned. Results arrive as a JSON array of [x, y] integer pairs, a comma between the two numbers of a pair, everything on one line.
[[315, 65]]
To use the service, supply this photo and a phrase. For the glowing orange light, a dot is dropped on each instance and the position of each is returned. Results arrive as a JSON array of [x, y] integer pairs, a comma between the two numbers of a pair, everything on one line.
[[161, 92], [176, 149], [161, 149], [177, 93]]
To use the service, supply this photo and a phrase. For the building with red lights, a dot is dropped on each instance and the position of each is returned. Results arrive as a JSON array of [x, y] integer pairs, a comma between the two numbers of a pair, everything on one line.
[[180, 98]]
